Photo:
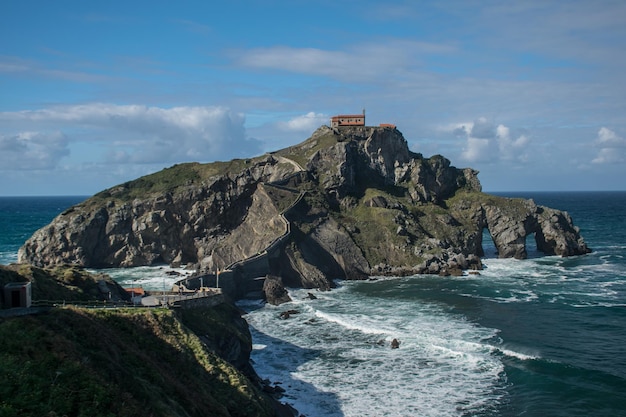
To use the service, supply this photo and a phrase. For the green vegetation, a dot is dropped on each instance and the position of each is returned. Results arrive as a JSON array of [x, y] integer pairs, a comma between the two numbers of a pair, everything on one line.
[[303, 152], [120, 362], [58, 283], [463, 196], [116, 363], [281, 197], [464, 199], [374, 224], [172, 179], [377, 224], [215, 323]]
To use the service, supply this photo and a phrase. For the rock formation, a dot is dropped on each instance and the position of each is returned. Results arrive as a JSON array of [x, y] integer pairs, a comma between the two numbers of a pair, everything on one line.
[[274, 290], [346, 203]]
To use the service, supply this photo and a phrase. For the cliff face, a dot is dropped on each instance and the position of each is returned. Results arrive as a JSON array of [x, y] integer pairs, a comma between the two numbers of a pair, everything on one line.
[[345, 203], [145, 222], [132, 362], [123, 361]]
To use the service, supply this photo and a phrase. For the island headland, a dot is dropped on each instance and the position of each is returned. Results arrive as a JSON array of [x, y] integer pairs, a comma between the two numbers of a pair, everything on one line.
[[349, 202]]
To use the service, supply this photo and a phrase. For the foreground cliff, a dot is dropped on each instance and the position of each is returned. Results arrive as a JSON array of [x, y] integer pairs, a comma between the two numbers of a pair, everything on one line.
[[345, 203], [124, 361]]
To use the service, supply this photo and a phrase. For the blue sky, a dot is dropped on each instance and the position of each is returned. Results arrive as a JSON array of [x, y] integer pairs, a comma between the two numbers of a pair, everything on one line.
[[530, 93]]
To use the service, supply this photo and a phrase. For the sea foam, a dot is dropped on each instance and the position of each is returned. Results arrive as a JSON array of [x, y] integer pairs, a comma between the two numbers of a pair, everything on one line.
[[335, 358]]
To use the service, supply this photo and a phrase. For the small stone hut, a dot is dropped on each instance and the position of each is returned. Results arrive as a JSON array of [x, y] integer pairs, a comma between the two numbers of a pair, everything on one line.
[[17, 294]]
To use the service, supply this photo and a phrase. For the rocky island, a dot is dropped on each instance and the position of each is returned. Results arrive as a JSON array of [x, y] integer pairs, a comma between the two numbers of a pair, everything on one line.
[[347, 203]]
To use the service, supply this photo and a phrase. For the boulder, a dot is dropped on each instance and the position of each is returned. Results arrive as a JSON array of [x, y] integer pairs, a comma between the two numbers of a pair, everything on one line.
[[274, 290]]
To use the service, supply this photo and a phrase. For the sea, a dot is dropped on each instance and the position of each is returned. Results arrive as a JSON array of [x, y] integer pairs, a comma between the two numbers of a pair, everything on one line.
[[544, 336]]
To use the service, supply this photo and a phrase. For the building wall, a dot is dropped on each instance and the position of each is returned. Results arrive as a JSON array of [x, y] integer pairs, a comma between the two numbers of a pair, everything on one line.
[[347, 120], [17, 294], [210, 301]]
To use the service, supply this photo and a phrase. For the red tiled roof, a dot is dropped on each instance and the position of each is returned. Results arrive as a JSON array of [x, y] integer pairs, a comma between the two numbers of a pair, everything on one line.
[[136, 291]]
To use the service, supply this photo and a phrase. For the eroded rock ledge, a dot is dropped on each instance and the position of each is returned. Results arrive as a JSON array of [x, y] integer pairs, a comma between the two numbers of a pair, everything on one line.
[[346, 203]]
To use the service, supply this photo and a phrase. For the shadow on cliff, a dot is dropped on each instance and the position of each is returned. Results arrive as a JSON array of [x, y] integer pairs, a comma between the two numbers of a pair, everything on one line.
[[277, 362]]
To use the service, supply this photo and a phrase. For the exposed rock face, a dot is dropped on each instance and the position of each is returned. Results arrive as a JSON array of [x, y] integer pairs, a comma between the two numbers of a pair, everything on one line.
[[223, 331], [275, 292], [365, 205], [215, 222], [554, 231]]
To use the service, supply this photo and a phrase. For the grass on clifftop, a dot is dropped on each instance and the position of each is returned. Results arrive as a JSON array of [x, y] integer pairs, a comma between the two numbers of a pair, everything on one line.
[[129, 362], [118, 362], [303, 152], [58, 283], [172, 178]]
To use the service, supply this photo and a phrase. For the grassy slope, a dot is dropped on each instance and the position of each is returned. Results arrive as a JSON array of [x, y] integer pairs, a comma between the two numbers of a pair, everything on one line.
[[117, 362], [61, 282]]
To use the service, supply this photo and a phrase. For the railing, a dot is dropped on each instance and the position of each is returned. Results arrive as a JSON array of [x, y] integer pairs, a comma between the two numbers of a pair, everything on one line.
[[277, 184], [165, 299], [83, 304], [275, 242]]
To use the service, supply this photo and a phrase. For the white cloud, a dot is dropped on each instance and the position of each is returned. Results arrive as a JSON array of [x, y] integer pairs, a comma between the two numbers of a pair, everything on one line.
[[477, 150], [141, 134], [32, 150], [485, 142], [512, 148], [482, 128], [608, 138], [304, 123], [460, 130], [356, 63], [612, 147]]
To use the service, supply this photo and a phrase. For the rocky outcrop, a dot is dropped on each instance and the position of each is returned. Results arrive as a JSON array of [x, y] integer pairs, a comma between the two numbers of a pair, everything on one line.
[[64, 282], [510, 222], [212, 221], [275, 292], [363, 205]]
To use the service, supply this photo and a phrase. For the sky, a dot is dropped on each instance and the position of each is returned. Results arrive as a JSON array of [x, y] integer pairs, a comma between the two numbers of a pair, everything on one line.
[[532, 94]]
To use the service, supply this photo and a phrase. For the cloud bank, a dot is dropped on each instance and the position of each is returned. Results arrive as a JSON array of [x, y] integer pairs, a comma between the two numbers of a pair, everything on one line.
[[126, 134], [485, 142], [360, 62], [32, 150]]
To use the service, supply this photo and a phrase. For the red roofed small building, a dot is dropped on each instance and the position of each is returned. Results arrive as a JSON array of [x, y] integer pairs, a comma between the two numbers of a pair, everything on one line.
[[348, 120], [136, 291]]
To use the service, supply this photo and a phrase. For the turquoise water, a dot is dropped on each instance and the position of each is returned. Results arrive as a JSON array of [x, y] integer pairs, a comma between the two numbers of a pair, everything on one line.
[[539, 337]]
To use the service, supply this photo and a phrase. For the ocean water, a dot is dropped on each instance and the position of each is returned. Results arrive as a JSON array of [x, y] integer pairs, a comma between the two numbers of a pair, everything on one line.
[[544, 336], [21, 216]]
